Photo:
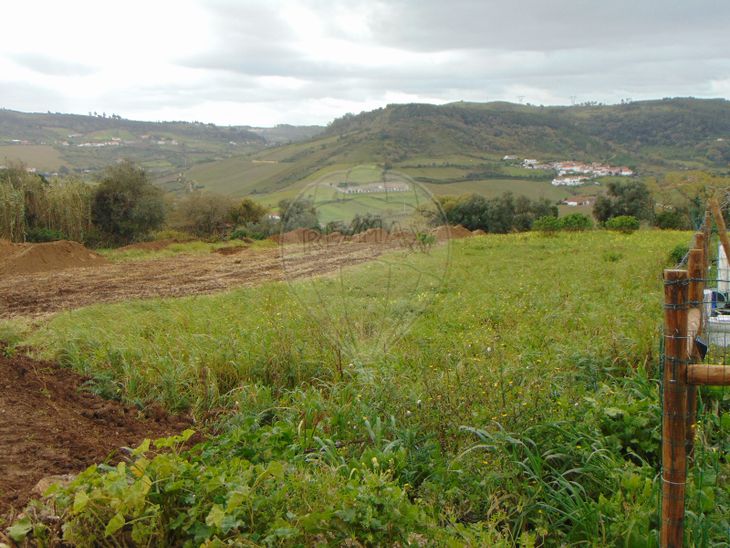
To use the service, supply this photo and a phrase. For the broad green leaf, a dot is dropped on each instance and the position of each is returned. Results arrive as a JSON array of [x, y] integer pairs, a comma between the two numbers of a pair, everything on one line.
[[116, 523], [20, 529], [215, 516], [81, 499]]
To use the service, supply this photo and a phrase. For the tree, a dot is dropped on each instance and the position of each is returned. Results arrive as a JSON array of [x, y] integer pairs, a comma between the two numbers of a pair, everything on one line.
[[247, 211], [204, 214], [298, 214], [126, 206], [625, 199]]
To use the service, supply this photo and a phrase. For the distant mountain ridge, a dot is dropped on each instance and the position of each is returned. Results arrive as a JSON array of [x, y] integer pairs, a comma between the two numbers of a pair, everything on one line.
[[592, 131], [87, 143], [459, 147]]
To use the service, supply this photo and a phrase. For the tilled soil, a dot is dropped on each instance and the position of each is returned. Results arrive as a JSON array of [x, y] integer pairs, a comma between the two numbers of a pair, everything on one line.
[[48, 427], [42, 293]]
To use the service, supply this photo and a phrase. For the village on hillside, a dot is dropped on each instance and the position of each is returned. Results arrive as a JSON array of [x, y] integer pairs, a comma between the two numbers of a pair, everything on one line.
[[570, 173]]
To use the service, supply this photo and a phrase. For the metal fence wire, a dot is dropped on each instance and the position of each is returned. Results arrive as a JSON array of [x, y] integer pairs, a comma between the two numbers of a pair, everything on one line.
[[695, 376]]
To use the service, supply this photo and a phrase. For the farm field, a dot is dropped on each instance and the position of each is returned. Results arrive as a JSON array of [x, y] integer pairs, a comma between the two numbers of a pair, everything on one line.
[[521, 409], [44, 157]]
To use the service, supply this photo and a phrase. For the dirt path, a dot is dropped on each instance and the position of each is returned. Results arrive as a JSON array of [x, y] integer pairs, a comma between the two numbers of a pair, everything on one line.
[[49, 427], [43, 293]]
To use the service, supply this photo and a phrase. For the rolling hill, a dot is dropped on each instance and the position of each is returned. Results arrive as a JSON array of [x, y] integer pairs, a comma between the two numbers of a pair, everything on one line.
[[71, 142], [459, 147]]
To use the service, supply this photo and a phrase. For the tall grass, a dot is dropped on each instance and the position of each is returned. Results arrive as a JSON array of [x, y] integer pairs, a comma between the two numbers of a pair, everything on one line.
[[521, 409], [28, 202]]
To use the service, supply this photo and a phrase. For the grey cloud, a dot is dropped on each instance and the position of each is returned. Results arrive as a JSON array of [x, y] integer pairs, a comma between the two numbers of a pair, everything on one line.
[[52, 66]]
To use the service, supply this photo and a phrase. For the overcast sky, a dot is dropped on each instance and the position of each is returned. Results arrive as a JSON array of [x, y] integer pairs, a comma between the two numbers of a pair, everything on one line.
[[309, 61]]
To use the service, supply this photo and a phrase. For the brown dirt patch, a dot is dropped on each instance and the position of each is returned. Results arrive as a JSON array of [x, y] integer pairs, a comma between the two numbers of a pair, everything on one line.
[[52, 256], [444, 232], [230, 250], [478, 232], [371, 235], [49, 427], [42, 293], [297, 236]]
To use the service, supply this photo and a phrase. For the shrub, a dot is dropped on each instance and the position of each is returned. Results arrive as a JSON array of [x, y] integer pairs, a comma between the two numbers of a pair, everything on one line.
[[623, 223], [204, 214], [547, 224], [39, 234], [672, 220], [576, 222], [247, 211], [126, 206], [678, 253]]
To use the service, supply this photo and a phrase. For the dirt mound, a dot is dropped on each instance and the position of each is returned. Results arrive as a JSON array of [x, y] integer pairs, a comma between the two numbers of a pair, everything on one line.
[[478, 232], [297, 236], [51, 256], [371, 235], [335, 238], [444, 232], [49, 427]]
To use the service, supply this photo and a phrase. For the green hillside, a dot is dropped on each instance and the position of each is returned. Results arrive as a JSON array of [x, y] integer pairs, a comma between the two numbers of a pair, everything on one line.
[[459, 147], [52, 142]]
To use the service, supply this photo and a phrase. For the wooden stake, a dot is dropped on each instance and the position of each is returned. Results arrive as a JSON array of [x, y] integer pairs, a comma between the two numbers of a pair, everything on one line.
[[674, 407], [707, 234], [696, 287], [710, 375], [721, 228]]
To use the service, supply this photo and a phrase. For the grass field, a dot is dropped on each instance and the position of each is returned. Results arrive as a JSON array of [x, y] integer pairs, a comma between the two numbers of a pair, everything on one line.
[[521, 409], [43, 157]]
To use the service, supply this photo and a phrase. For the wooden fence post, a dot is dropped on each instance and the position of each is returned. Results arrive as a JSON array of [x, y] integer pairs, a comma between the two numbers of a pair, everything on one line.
[[695, 267], [674, 407]]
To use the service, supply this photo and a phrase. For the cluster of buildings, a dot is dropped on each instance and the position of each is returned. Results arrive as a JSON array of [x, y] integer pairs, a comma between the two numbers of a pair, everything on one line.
[[571, 173], [575, 201], [370, 188]]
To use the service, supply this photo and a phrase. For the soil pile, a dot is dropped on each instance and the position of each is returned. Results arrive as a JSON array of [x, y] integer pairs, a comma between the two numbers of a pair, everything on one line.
[[49, 427], [478, 232], [297, 236], [335, 238], [444, 232], [371, 236], [51, 256]]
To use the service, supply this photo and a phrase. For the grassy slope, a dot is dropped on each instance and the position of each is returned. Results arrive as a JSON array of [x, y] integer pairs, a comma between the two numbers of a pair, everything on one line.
[[531, 334], [451, 145], [43, 157]]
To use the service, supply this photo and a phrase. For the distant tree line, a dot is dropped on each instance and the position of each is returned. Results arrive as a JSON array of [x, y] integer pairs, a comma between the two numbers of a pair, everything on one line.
[[499, 215]]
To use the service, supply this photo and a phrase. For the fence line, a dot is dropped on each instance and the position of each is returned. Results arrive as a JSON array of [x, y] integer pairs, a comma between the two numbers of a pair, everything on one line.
[[691, 334]]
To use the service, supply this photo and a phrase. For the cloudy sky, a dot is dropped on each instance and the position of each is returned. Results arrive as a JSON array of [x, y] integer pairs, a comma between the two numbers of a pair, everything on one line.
[[307, 61]]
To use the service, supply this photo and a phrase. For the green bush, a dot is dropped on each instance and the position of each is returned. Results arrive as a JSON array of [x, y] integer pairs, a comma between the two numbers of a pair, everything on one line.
[[576, 222], [126, 206], [623, 223], [39, 234], [678, 253], [547, 224], [672, 220]]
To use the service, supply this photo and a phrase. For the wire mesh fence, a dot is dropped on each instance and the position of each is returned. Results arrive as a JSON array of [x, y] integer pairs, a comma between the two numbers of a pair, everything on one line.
[[695, 393]]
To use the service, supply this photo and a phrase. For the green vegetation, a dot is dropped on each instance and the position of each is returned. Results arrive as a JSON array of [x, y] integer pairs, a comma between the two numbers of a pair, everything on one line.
[[522, 409], [625, 199], [623, 223], [574, 222], [34, 208], [498, 215], [125, 206]]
